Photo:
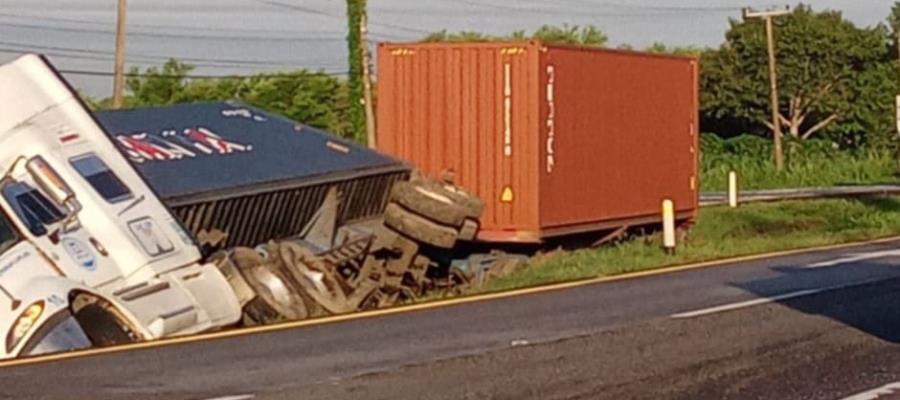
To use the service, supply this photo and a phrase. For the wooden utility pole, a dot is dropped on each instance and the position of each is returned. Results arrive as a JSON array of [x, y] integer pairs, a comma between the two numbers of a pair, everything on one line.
[[367, 79], [773, 76], [119, 79], [355, 11]]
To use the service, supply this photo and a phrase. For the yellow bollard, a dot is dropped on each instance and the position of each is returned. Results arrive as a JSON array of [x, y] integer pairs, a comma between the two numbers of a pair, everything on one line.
[[668, 211], [732, 189]]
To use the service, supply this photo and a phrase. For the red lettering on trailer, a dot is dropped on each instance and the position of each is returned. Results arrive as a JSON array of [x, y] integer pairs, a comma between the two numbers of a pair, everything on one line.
[[172, 145]]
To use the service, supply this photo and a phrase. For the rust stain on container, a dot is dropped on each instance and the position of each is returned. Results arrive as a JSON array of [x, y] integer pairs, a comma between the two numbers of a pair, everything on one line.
[[555, 139]]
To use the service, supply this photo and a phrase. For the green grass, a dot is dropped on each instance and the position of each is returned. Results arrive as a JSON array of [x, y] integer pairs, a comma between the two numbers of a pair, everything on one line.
[[808, 164], [760, 173], [721, 233]]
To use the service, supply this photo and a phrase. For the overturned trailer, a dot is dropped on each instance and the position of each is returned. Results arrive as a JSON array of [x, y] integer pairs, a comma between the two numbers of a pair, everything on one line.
[[252, 175], [301, 222]]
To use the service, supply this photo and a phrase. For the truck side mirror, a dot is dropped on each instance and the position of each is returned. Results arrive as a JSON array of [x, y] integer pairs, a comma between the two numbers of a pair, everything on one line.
[[49, 181], [52, 184]]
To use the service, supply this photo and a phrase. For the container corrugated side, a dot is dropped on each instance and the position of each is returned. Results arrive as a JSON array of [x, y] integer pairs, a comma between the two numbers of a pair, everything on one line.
[[619, 135]]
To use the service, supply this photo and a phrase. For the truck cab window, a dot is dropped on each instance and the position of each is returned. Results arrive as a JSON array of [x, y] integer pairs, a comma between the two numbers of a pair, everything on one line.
[[32, 207], [35, 209], [101, 178], [8, 235]]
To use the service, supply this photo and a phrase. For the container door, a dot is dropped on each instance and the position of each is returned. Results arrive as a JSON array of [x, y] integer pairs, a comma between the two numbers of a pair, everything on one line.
[[469, 109]]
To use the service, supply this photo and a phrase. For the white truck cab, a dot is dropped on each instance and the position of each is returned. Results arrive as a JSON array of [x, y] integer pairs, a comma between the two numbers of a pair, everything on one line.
[[89, 256]]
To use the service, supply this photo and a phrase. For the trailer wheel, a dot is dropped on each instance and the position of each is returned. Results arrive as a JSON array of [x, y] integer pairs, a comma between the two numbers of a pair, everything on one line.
[[276, 295], [419, 228], [473, 206], [274, 301], [316, 279], [429, 201]]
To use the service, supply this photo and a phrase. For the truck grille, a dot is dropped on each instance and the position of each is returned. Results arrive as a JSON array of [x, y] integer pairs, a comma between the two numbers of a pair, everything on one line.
[[254, 219]]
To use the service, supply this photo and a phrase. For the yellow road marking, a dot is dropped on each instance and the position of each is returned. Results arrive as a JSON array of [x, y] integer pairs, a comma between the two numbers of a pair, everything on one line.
[[428, 306]]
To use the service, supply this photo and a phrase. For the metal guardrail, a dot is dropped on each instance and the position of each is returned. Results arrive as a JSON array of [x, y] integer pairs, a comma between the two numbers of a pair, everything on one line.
[[760, 196]]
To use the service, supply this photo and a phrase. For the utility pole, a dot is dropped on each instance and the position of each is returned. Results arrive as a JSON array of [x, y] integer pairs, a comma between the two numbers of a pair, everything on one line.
[[894, 23], [355, 11], [773, 76], [367, 79], [119, 79]]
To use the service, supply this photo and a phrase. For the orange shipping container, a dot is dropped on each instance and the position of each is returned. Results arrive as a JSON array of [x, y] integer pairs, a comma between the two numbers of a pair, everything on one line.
[[556, 139]]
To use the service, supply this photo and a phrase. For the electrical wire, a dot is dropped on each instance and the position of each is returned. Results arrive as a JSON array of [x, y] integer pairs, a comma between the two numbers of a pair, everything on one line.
[[175, 35], [307, 10], [194, 76], [31, 47]]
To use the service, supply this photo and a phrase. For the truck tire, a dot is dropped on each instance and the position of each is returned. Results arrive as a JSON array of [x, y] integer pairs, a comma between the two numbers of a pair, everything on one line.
[[275, 300], [419, 228], [429, 201], [473, 206], [314, 277], [469, 230], [276, 297]]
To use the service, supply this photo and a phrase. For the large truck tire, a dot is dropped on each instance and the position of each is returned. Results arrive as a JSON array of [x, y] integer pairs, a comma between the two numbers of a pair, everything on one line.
[[316, 279], [275, 300], [420, 228], [473, 205], [429, 201]]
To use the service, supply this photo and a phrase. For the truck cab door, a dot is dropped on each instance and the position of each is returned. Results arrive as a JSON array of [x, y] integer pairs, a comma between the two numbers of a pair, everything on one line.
[[77, 254]]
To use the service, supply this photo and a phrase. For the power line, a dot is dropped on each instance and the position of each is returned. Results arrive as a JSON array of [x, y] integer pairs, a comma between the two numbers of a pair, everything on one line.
[[159, 26], [307, 10], [558, 7], [150, 57], [195, 76], [173, 35]]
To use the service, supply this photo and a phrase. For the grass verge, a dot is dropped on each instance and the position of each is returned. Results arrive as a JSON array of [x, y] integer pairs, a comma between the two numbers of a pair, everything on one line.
[[809, 163], [723, 233]]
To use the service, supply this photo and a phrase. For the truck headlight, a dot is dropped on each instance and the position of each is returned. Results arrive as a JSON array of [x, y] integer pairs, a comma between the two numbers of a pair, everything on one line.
[[24, 324]]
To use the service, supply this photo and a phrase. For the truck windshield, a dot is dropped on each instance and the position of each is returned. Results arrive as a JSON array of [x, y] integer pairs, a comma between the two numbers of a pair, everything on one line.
[[8, 235]]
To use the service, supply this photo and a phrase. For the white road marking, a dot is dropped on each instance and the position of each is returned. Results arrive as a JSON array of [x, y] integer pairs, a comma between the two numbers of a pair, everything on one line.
[[237, 397], [767, 300], [855, 258], [519, 343], [874, 394]]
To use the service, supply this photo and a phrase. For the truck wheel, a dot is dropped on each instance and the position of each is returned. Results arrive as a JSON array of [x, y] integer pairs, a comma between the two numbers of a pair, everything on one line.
[[274, 298], [313, 276], [469, 230], [276, 295], [101, 322], [419, 228], [429, 201], [473, 206]]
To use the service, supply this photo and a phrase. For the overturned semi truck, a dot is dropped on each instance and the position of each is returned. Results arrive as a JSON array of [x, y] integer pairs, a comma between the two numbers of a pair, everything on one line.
[[301, 222], [144, 224]]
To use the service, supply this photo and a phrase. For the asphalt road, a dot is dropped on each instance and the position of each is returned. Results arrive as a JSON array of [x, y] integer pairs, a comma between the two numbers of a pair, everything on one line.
[[816, 326]]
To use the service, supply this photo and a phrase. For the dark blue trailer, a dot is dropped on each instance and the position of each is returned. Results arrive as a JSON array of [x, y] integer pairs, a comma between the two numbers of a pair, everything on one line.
[[253, 175]]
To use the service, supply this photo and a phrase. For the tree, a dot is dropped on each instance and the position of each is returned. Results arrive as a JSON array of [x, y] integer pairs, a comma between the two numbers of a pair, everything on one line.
[[571, 34], [661, 48], [313, 98], [462, 36], [822, 59], [565, 34]]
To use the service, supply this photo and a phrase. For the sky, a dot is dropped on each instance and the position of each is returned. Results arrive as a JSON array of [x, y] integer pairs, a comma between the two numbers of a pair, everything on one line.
[[223, 37]]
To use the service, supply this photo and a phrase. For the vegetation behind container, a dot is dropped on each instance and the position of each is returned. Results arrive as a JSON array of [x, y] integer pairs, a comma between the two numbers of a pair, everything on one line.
[[556, 139]]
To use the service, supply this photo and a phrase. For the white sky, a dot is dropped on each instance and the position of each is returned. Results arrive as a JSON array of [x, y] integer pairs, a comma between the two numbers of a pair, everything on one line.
[[243, 36]]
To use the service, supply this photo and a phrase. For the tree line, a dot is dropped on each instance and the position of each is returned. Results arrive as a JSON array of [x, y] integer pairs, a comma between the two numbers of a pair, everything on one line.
[[838, 81]]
